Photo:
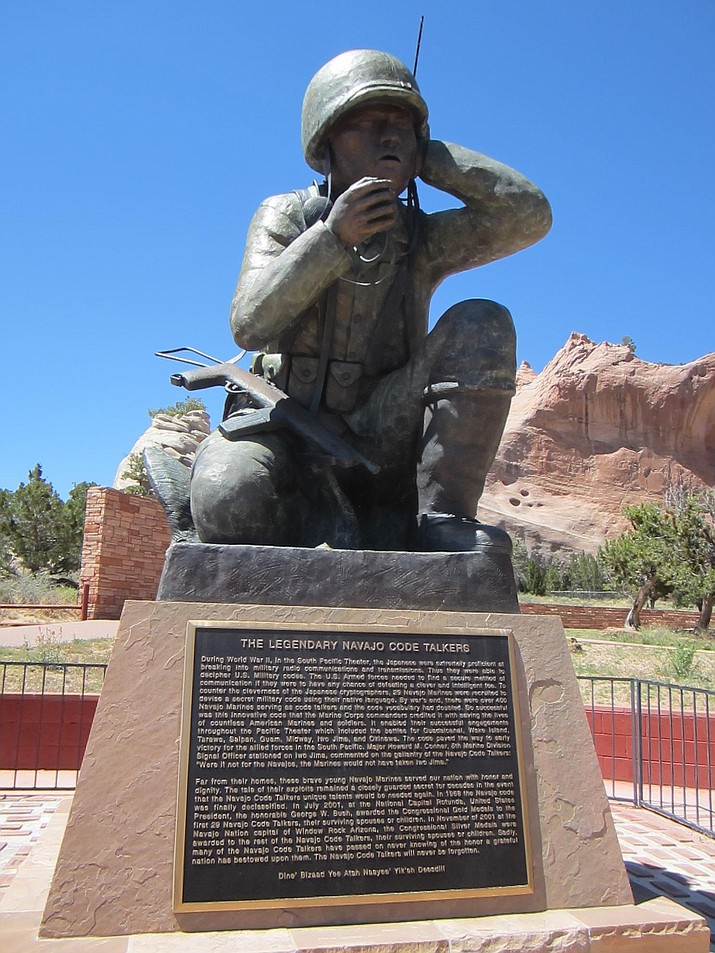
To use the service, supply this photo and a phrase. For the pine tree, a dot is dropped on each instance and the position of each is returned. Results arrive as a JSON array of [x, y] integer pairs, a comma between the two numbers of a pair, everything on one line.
[[38, 529], [637, 558]]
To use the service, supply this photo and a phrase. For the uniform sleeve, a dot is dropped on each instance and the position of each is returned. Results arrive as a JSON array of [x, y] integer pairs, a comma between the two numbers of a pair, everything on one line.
[[286, 268], [503, 211]]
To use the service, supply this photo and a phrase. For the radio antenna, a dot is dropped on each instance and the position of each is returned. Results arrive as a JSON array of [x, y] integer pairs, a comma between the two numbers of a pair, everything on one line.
[[419, 43]]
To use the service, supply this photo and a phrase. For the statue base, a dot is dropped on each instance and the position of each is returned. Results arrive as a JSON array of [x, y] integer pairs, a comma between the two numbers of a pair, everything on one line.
[[478, 581], [115, 872]]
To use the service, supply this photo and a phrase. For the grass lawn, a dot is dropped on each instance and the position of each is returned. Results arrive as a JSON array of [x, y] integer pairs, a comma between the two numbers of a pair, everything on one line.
[[656, 654], [44, 673]]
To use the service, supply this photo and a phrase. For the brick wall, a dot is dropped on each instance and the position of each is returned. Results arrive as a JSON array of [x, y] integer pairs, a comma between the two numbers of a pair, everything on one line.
[[125, 538], [607, 617]]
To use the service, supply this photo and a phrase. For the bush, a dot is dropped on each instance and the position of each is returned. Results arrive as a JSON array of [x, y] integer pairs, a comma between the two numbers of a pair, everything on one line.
[[180, 408], [539, 575], [681, 659], [26, 590]]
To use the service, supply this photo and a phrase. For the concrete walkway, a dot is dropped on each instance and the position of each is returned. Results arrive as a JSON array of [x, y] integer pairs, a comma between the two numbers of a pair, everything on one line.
[[663, 859], [15, 636], [23, 816]]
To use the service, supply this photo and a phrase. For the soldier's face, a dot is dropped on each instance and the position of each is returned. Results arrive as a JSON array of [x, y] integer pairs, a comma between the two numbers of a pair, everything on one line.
[[377, 141]]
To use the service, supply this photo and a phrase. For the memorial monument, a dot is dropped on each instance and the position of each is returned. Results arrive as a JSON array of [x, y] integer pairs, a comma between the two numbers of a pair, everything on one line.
[[344, 753], [385, 432]]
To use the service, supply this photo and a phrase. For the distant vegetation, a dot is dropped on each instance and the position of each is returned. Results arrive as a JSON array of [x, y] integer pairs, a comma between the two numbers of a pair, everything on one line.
[[180, 408], [669, 551], [540, 575], [39, 532]]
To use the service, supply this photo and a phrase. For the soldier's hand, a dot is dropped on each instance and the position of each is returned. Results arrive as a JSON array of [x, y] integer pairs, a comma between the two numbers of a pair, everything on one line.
[[365, 208]]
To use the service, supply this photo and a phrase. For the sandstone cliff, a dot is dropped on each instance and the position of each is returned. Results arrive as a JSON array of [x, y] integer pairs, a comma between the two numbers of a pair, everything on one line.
[[598, 428]]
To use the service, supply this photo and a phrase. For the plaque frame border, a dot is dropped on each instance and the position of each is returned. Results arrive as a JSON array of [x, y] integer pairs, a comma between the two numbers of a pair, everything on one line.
[[179, 906]]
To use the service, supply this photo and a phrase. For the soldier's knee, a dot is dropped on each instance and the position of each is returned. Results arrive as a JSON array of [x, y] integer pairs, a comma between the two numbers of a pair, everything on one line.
[[491, 321], [238, 491], [474, 343]]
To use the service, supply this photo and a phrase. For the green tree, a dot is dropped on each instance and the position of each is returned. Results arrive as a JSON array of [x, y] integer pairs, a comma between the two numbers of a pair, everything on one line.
[[5, 541], [136, 471], [37, 525], [529, 571], [585, 572], [73, 524], [519, 557], [691, 570], [636, 560], [38, 529]]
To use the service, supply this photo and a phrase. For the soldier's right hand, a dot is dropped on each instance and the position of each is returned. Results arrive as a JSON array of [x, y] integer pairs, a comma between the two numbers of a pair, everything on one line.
[[365, 208]]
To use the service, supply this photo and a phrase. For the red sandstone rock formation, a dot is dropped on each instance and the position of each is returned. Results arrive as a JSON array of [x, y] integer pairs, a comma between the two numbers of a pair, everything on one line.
[[597, 429]]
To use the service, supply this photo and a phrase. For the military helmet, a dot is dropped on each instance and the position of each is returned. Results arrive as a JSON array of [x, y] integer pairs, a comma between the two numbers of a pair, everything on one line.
[[355, 78]]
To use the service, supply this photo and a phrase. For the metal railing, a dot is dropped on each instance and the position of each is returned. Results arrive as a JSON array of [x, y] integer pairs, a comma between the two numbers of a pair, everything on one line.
[[46, 712], [656, 745], [655, 742]]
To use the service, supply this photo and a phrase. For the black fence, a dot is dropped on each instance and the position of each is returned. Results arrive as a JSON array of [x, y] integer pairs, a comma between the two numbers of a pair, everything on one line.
[[46, 712], [656, 745], [655, 742]]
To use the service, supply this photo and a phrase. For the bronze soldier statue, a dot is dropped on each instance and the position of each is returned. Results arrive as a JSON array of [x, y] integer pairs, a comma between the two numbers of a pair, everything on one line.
[[334, 293]]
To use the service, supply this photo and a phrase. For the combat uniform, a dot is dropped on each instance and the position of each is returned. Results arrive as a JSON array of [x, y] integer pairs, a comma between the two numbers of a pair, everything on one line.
[[345, 333]]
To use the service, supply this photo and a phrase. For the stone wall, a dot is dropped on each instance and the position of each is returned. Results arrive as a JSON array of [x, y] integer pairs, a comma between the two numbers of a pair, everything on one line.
[[125, 538], [608, 617]]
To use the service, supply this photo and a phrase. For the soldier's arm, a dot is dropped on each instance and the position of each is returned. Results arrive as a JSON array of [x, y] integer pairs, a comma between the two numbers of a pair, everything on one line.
[[286, 268], [504, 212]]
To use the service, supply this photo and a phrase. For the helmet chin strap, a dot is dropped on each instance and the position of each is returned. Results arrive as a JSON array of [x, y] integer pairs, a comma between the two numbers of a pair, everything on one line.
[[328, 177], [413, 199]]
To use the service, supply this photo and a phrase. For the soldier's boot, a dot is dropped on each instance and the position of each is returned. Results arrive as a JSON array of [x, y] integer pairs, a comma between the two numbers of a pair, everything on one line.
[[463, 427]]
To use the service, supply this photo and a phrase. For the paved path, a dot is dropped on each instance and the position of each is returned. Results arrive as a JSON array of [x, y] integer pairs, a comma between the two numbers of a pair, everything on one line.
[[66, 631], [665, 859], [662, 858], [22, 816]]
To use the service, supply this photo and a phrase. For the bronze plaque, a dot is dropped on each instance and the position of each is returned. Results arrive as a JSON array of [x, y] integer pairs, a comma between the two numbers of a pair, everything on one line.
[[335, 765]]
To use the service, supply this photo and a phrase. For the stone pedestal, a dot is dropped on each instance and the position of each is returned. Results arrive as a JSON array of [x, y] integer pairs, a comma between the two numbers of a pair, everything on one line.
[[481, 581], [114, 874]]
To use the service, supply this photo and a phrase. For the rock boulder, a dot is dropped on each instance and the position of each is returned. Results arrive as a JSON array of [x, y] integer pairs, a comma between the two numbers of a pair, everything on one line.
[[180, 435]]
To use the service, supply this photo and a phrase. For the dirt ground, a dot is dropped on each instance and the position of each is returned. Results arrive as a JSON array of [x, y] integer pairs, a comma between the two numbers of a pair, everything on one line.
[[28, 615]]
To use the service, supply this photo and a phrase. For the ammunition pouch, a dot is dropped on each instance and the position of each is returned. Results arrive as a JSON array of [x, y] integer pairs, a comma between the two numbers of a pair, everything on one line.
[[297, 375], [342, 385]]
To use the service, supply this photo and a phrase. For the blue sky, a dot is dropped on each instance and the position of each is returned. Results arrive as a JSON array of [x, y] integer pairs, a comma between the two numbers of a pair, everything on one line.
[[139, 137]]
